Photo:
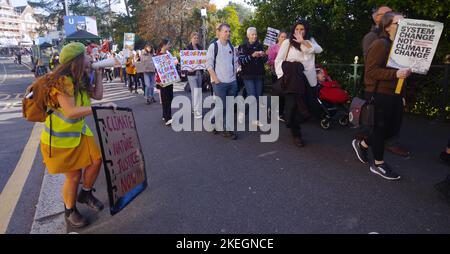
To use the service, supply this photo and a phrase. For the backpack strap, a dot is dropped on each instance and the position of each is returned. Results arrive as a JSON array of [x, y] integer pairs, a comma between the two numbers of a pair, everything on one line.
[[216, 51]]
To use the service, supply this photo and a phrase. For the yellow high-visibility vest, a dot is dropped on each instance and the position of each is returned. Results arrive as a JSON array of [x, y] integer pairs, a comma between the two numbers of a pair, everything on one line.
[[63, 132]]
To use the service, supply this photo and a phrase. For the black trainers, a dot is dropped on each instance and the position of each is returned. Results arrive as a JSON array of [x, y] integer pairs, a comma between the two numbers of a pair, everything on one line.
[[86, 197], [74, 218], [361, 152], [385, 171]]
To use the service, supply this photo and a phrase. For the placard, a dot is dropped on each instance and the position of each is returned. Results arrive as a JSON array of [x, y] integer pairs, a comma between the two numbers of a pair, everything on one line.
[[414, 45], [271, 36], [128, 41], [122, 155], [192, 60], [166, 69]]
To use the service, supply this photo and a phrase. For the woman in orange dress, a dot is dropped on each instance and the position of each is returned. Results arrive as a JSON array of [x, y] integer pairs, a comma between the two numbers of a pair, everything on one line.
[[67, 143]]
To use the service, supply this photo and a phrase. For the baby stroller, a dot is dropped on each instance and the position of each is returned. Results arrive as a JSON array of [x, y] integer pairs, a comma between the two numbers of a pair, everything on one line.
[[332, 100]]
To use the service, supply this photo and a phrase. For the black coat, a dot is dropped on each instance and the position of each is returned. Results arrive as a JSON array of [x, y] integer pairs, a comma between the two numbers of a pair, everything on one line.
[[252, 67], [293, 80]]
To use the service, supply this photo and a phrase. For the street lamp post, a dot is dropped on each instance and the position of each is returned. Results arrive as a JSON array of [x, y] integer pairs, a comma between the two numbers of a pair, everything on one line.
[[204, 15], [66, 3]]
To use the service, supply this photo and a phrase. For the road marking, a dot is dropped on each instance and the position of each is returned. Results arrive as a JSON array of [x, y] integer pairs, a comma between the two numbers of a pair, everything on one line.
[[13, 188], [4, 75]]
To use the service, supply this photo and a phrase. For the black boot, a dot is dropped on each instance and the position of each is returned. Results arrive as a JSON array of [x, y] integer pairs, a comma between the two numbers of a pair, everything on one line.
[[86, 197], [74, 218]]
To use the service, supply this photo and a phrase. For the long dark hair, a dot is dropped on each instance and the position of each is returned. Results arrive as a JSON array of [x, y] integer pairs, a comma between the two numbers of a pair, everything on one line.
[[163, 42], [385, 22], [307, 34]]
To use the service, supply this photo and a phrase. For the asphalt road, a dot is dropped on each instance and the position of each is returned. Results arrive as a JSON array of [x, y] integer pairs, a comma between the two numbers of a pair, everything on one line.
[[204, 183]]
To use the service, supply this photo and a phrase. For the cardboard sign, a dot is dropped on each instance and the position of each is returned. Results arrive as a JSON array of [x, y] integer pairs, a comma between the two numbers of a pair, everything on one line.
[[414, 45], [77, 23], [192, 60], [139, 67], [128, 41], [271, 36], [166, 69], [122, 155]]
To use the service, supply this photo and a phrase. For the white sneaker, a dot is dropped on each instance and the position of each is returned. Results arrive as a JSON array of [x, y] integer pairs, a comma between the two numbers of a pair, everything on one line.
[[169, 122], [241, 117], [198, 115], [257, 123]]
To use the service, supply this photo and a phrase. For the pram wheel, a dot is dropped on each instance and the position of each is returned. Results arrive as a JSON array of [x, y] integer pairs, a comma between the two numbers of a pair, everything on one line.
[[325, 124], [344, 120]]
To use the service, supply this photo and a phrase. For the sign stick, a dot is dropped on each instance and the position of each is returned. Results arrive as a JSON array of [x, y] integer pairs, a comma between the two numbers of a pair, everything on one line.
[[398, 89]]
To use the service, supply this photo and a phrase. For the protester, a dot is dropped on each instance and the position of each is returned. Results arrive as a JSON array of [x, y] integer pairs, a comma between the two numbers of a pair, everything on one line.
[[131, 72], [117, 66], [123, 69], [372, 35], [380, 83], [252, 58], [295, 55], [166, 90], [139, 73], [41, 69], [272, 53], [221, 64], [54, 61], [67, 143], [392, 145], [195, 79], [109, 70], [149, 72]]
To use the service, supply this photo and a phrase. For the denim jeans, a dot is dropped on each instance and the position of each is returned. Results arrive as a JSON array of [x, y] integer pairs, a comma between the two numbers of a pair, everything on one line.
[[150, 82], [254, 88], [195, 83], [222, 90]]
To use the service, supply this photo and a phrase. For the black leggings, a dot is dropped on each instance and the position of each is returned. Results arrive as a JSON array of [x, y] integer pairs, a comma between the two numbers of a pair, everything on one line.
[[132, 81], [388, 119], [166, 99]]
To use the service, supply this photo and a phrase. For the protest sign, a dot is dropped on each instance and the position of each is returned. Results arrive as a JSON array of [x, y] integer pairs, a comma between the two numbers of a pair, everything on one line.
[[166, 69], [271, 36], [415, 44], [123, 159], [128, 41], [193, 60]]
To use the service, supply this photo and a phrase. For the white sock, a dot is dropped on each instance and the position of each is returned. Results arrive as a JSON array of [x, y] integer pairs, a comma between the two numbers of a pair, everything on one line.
[[86, 189]]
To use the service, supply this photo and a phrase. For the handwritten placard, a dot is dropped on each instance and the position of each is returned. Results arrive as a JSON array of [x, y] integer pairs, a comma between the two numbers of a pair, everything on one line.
[[166, 69], [192, 60], [122, 155]]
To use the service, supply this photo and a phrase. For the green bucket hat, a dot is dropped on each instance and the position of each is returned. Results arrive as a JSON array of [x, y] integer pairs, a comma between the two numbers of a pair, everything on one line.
[[70, 51]]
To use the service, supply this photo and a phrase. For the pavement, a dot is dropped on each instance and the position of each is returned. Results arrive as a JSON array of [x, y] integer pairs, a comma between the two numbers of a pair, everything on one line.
[[203, 183]]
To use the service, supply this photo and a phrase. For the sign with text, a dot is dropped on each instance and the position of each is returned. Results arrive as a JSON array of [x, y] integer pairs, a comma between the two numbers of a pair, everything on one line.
[[192, 60], [73, 24], [271, 36], [128, 41], [166, 69], [122, 155], [414, 45]]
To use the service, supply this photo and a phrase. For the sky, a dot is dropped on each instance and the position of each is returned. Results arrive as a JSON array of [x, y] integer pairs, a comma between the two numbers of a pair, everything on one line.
[[219, 3]]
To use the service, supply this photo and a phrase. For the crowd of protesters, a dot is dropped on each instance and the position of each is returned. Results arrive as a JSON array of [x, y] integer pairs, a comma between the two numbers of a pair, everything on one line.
[[294, 78]]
